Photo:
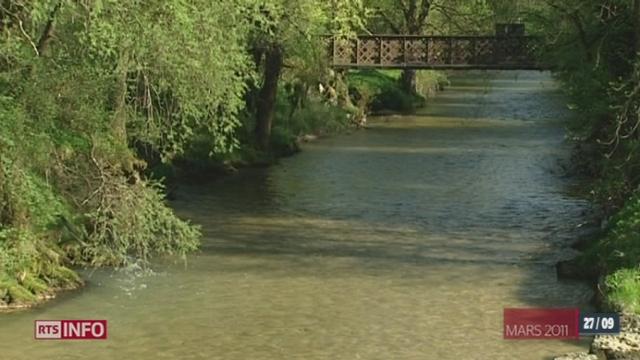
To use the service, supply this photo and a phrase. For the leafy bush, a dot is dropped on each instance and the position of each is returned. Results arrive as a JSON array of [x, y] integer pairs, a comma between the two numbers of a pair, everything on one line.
[[393, 98], [618, 255], [428, 82], [31, 261], [132, 222], [317, 118], [620, 248], [60, 205], [283, 141]]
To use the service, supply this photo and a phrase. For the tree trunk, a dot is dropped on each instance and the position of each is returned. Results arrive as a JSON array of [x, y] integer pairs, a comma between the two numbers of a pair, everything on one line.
[[267, 97], [408, 81], [416, 13], [342, 90], [47, 33]]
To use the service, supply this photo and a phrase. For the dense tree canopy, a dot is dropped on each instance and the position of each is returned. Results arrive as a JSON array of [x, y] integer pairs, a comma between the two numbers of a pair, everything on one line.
[[94, 92]]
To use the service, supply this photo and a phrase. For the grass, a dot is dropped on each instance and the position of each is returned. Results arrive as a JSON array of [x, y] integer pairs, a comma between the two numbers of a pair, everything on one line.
[[617, 255], [624, 290]]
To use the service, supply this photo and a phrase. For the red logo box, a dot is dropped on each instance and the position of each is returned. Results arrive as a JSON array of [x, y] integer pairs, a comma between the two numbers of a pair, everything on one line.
[[70, 330], [541, 324]]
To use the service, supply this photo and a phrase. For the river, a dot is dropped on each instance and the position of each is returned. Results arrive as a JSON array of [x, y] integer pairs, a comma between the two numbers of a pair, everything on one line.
[[402, 241]]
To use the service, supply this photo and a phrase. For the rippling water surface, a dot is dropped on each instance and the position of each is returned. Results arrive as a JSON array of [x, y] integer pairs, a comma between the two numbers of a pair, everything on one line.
[[403, 241]]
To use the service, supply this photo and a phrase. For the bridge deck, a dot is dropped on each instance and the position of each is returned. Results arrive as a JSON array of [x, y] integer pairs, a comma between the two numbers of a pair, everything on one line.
[[435, 52]]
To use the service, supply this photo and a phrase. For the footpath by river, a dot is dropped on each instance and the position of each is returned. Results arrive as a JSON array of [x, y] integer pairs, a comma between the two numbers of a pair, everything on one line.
[[403, 241]]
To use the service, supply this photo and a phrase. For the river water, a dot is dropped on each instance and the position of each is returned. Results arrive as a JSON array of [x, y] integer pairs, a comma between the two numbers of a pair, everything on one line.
[[402, 241]]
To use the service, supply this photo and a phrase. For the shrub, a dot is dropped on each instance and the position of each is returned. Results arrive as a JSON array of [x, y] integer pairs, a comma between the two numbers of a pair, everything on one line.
[[383, 92], [393, 98], [31, 261], [428, 82], [283, 141], [621, 246], [320, 118]]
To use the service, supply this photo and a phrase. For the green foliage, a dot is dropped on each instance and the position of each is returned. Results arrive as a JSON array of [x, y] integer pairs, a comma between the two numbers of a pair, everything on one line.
[[283, 141], [620, 247], [186, 67], [292, 121], [30, 266], [444, 17], [314, 117], [31, 261], [624, 290], [428, 82], [81, 82], [131, 222], [593, 47], [382, 90], [394, 99]]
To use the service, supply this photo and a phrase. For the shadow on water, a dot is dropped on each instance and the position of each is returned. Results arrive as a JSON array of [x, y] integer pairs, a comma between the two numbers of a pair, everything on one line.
[[404, 241], [466, 194]]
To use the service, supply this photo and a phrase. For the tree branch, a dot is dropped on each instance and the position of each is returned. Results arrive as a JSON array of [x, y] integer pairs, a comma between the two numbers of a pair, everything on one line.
[[573, 15], [395, 28], [424, 12]]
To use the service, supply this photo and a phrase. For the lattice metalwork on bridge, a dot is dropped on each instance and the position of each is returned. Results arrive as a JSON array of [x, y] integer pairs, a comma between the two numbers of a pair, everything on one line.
[[434, 52]]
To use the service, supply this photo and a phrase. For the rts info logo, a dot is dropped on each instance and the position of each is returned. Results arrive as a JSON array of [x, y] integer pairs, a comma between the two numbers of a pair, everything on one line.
[[70, 330]]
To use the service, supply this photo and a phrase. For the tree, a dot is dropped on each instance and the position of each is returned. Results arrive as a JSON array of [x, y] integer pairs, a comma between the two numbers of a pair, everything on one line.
[[403, 17], [82, 83], [288, 33], [419, 17]]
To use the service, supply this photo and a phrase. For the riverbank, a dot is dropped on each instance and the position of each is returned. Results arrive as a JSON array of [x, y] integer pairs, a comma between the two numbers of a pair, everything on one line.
[[610, 253], [615, 291], [361, 245], [320, 115], [603, 96], [625, 346], [34, 271], [604, 130], [39, 299], [602, 93]]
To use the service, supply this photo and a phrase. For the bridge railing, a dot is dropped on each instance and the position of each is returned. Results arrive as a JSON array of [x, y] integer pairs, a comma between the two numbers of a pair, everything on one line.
[[434, 52]]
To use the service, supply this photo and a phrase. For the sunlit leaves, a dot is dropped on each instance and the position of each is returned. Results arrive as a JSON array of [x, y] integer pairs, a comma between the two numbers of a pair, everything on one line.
[[188, 57]]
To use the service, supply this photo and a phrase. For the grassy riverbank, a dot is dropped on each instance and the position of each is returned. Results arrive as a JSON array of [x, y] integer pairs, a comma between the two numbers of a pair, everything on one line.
[[616, 255], [613, 169], [604, 131]]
